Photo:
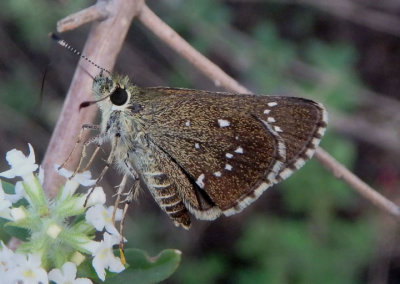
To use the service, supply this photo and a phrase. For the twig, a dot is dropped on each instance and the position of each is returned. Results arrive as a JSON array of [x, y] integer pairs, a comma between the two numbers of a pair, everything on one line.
[[103, 44], [357, 184], [96, 12], [182, 47]]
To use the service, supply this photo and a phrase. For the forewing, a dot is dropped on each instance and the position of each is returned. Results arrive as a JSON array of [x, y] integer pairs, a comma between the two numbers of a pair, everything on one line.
[[301, 123], [233, 147], [228, 155]]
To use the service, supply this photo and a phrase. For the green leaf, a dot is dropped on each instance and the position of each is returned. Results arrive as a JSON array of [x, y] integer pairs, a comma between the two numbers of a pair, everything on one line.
[[207, 268], [17, 232], [8, 187], [144, 269]]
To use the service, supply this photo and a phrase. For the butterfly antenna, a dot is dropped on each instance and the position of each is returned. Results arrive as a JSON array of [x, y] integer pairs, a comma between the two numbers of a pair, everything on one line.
[[42, 85], [66, 45]]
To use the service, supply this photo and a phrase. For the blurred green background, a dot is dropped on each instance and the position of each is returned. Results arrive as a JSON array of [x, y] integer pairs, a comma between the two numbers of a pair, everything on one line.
[[311, 228]]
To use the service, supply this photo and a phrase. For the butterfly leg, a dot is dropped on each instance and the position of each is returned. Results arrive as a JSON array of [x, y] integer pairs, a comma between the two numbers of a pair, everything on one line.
[[109, 159], [79, 140], [89, 163], [121, 188], [130, 196], [96, 139], [106, 167]]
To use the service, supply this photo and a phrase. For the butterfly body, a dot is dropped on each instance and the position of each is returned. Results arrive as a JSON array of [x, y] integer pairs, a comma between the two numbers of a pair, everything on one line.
[[203, 152]]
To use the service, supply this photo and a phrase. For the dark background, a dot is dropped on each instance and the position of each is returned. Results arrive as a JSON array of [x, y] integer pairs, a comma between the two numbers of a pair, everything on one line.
[[311, 228]]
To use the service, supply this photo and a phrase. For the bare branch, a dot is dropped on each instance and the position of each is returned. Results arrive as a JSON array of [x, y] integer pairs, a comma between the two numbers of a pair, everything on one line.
[[97, 12], [357, 184], [169, 36], [175, 41]]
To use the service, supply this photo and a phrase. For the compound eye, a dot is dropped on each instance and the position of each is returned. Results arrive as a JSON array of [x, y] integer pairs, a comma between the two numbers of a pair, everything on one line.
[[119, 96]]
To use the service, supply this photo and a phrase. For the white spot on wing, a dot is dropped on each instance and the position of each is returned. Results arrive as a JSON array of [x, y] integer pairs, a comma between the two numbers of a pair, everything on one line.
[[270, 119], [239, 150], [309, 153], [228, 167], [315, 141], [218, 174], [299, 163], [187, 123], [247, 200], [272, 104], [278, 129], [324, 113], [267, 111], [223, 123], [197, 145], [237, 137], [229, 155], [200, 181], [286, 173]]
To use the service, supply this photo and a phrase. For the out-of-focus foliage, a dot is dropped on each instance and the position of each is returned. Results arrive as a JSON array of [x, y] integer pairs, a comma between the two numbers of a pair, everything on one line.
[[35, 19], [27, 24]]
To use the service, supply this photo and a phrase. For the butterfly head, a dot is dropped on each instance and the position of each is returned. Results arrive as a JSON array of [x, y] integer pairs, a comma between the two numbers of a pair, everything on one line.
[[111, 92]]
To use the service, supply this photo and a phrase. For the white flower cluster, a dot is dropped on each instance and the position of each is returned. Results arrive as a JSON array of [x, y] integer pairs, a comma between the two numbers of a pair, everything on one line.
[[55, 244]]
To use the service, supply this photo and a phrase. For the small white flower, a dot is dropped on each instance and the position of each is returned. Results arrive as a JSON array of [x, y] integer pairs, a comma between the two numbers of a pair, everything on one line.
[[7, 259], [90, 246], [97, 196], [67, 275], [72, 184], [77, 258], [18, 214], [53, 231], [24, 166], [20, 164], [101, 217], [104, 257], [28, 270]]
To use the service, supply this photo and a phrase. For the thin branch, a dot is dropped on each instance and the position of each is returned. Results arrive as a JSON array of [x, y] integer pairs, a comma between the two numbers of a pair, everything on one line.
[[182, 47], [165, 33], [97, 12], [102, 46], [357, 184]]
